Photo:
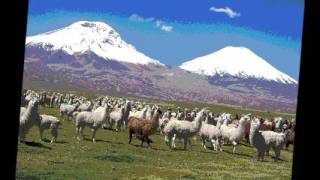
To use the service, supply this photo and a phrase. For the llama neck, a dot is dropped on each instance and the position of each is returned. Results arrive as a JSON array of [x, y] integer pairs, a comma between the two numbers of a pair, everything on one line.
[[104, 114], [155, 120], [31, 111], [126, 112], [207, 120], [198, 121], [218, 124], [254, 131], [241, 126]]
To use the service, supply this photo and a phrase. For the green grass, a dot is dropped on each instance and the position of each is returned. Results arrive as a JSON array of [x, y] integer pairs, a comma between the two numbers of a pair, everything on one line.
[[113, 158]]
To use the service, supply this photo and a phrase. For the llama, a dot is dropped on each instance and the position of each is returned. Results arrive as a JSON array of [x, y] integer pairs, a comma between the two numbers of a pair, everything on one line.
[[68, 109], [291, 132], [278, 124], [94, 120], [264, 140], [139, 126], [182, 129], [164, 120], [212, 133], [85, 107], [234, 134], [120, 116], [28, 119], [149, 113], [49, 122], [139, 114]]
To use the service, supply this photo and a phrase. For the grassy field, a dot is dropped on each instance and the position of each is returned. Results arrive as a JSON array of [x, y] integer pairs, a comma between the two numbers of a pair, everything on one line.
[[111, 157]]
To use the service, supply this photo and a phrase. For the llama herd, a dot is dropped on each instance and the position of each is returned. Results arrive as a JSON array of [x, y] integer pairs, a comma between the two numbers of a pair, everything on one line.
[[143, 120]]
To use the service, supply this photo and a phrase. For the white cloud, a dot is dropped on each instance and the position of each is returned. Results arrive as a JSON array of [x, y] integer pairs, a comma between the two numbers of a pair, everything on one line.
[[136, 17], [227, 10], [159, 24], [166, 28]]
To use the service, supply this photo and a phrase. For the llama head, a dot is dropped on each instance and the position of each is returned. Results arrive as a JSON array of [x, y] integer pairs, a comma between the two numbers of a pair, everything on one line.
[[243, 120], [158, 111], [255, 123], [128, 105], [246, 117], [33, 102], [201, 115], [278, 122]]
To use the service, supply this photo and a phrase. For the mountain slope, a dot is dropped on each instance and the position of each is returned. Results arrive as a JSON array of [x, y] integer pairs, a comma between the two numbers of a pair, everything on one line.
[[236, 61], [97, 37]]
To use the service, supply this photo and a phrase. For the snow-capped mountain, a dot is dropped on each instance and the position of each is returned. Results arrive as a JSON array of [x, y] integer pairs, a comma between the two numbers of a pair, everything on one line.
[[92, 57], [236, 61], [84, 36]]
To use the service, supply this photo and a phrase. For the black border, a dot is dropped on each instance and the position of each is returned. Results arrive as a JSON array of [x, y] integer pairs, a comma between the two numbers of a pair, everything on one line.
[[305, 150], [306, 147], [14, 23]]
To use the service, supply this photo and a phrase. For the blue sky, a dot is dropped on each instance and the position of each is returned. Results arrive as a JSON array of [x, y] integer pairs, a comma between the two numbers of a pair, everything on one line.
[[175, 31]]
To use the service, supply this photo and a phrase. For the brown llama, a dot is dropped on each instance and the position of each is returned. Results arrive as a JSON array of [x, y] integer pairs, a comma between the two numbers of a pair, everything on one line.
[[291, 134], [143, 128], [235, 120]]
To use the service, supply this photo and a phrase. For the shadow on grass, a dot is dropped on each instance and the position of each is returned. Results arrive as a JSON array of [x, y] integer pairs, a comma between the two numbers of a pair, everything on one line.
[[279, 160], [97, 140], [36, 144], [238, 154], [57, 142], [159, 149], [188, 177], [61, 142], [116, 158], [101, 140]]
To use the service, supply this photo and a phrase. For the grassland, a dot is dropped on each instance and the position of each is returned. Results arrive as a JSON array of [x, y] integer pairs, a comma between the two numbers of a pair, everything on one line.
[[113, 158]]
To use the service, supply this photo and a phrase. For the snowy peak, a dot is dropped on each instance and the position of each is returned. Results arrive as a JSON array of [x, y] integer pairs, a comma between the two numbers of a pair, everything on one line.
[[236, 61], [96, 37]]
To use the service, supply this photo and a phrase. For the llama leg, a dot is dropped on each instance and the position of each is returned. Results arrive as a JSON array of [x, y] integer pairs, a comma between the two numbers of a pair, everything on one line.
[[54, 134], [170, 142], [81, 132], [146, 138], [234, 147], [117, 126], [189, 140], [130, 136], [203, 143], [167, 140], [61, 114], [263, 152], [41, 134], [259, 154], [22, 135], [94, 135], [173, 141], [277, 153], [213, 143], [220, 144], [77, 133], [185, 143]]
